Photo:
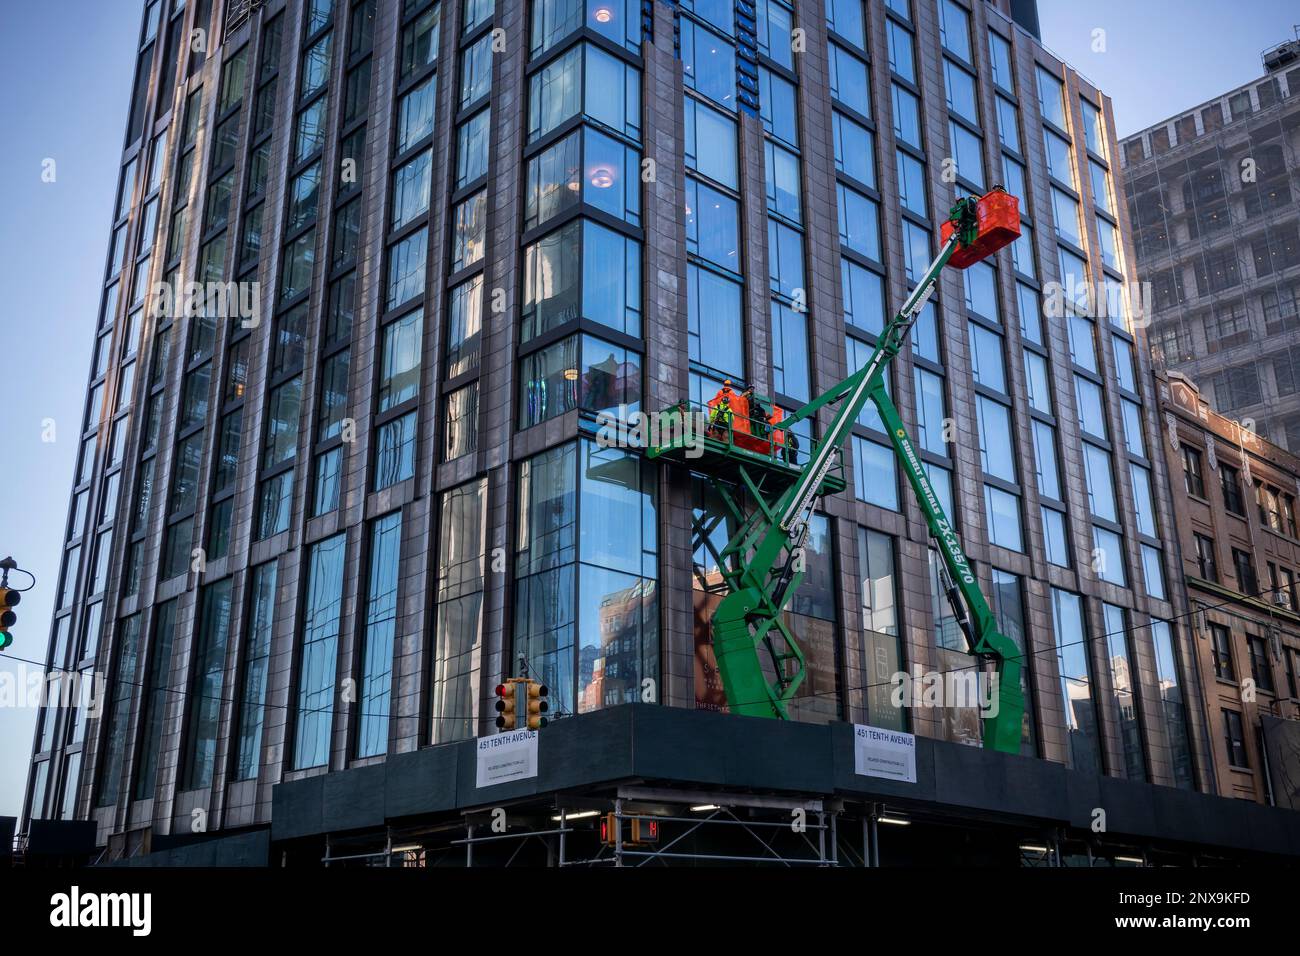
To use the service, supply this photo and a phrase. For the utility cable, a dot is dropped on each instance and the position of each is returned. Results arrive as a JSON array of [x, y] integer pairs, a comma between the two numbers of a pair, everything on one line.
[[838, 691]]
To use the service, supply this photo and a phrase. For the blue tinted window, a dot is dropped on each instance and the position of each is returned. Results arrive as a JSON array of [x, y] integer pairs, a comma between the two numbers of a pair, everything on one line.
[[1101, 484], [257, 659], [775, 26], [845, 18], [712, 226], [986, 358], [379, 630], [472, 148], [777, 106], [849, 83], [967, 154], [790, 352], [901, 58], [1108, 556], [1092, 411], [713, 321], [931, 411], [1047, 473], [874, 477], [785, 262], [710, 146], [783, 189], [864, 297], [395, 451], [859, 222], [907, 116], [1055, 542], [912, 185], [578, 372], [960, 87], [954, 29], [997, 448], [855, 151], [708, 63], [1002, 518], [1070, 629], [207, 685], [1051, 98], [555, 20]]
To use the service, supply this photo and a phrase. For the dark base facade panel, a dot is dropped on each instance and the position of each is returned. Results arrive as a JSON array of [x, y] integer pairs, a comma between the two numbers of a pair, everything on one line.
[[668, 786]]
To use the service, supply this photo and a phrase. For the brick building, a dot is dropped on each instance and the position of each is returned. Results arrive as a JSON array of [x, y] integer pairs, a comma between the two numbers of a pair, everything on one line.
[[1235, 509]]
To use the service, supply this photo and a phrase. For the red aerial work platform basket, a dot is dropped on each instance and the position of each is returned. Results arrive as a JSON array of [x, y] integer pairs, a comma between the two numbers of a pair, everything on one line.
[[740, 423], [998, 215]]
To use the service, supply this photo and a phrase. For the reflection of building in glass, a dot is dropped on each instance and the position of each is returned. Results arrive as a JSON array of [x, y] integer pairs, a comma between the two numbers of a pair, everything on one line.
[[1081, 719], [612, 671], [1123, 688]]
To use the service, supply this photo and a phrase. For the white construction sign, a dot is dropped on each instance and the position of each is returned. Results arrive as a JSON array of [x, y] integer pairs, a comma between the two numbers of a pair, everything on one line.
[[890, 754], [505, 757]]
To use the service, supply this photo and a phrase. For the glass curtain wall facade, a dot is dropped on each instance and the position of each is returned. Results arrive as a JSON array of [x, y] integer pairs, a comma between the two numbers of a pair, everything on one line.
[[468, 229]]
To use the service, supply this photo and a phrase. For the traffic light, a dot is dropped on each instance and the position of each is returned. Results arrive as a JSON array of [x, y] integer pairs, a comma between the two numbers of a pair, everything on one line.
[[521, 703], [506, 716], [9, 599], [537, 705]]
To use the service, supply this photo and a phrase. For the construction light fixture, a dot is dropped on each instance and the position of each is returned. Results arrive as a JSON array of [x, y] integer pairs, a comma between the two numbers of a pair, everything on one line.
[[894, 821], [705, 808], [1129, 859], [576, 815], [1032, 848], [409, 848]]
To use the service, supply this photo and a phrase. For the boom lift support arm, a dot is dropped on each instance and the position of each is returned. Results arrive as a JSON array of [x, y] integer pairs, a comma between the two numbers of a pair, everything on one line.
[[770, 546]]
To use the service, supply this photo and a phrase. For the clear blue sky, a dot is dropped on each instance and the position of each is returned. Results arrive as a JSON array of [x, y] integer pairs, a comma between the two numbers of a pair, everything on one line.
[[65, 67], [1163, 56]]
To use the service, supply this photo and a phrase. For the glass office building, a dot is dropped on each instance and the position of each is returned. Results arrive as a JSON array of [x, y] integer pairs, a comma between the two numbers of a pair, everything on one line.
[[1212, 197], [322, 510]]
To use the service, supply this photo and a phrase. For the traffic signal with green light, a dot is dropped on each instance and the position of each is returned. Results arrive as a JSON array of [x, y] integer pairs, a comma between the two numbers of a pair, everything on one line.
[[9, 599]]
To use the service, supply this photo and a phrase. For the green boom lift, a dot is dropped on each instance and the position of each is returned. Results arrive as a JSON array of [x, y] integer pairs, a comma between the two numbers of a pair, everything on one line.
[[762, 563]]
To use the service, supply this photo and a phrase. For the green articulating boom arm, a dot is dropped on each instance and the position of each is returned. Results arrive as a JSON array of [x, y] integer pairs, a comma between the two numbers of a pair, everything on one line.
[[746, 617]]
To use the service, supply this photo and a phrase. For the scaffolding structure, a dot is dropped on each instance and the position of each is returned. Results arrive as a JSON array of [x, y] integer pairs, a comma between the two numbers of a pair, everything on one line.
[[695, 828]]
